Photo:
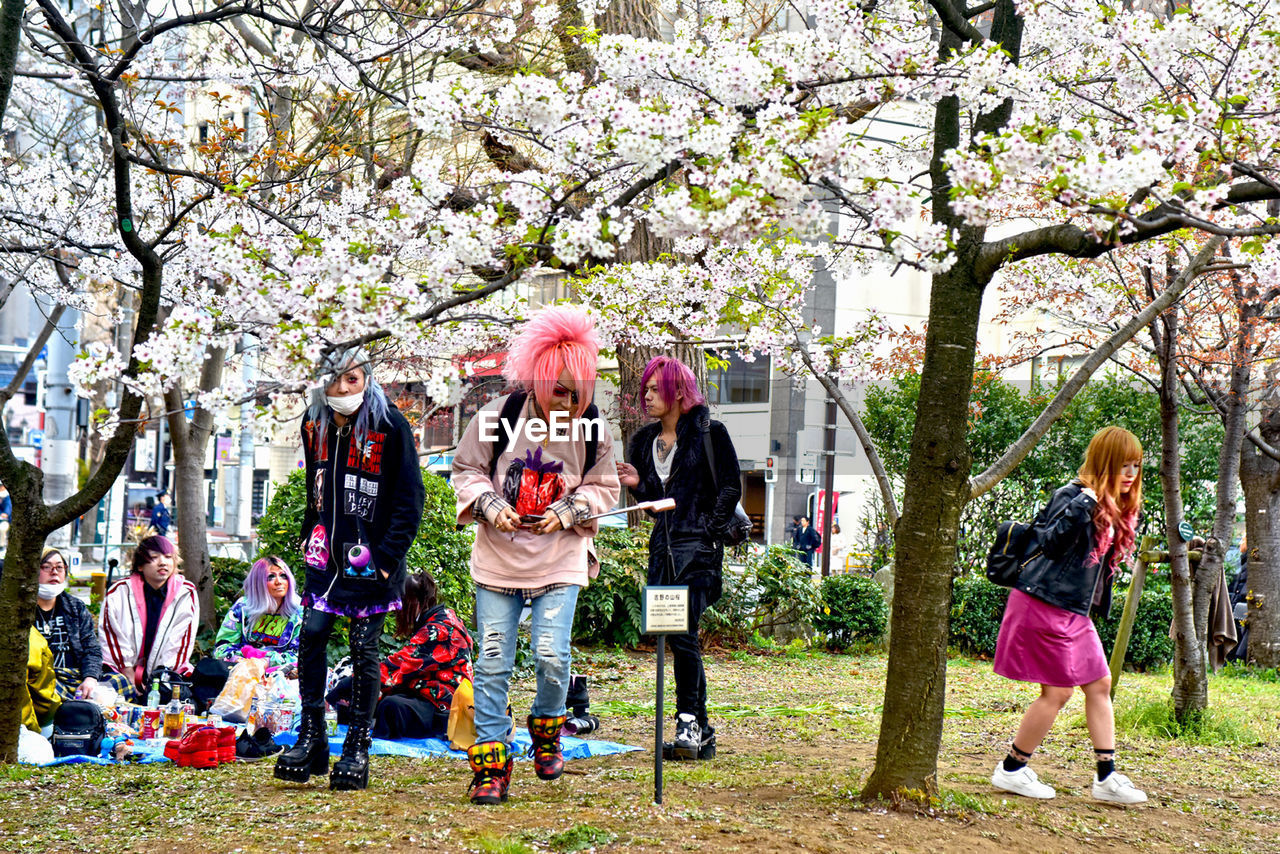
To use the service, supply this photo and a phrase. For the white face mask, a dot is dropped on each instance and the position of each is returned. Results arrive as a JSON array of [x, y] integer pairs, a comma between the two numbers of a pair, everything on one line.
[[52, 591], [344, 405]]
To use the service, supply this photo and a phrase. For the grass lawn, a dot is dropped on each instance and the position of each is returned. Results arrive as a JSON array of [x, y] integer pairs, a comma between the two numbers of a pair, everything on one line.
[[796, 737]]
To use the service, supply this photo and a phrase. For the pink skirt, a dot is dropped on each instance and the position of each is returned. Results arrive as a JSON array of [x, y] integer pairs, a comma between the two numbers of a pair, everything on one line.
[[1042, 643]]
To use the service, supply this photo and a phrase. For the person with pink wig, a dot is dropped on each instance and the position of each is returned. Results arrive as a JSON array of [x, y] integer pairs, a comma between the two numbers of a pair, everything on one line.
[[266, 621], [683, 454], [531, 468]]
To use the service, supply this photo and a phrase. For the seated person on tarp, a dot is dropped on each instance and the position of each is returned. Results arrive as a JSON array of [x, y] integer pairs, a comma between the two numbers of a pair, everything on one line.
[[40, 701], [266, 621], [418, 680], [150, 619], [67, 626]]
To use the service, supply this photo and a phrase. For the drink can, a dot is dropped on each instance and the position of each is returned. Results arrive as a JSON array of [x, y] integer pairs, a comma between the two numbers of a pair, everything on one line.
[[284, 719], [150, 723], [215, 721]]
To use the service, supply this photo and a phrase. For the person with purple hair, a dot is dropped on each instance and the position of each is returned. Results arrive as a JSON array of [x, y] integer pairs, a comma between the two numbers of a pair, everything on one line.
[[669, 459], [150, 619], [266, 621]]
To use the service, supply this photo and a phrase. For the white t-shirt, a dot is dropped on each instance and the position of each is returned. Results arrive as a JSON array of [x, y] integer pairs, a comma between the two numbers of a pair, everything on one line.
[[660, 465]]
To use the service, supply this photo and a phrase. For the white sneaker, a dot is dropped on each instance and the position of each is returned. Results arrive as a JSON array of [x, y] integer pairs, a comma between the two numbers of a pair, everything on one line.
[[1118, 789], [1021, 782]]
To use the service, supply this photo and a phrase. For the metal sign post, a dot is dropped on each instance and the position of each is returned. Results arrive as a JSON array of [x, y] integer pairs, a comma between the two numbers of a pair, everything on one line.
[[665, 610]]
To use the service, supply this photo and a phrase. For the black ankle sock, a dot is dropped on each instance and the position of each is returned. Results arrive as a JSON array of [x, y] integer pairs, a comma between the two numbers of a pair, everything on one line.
[[1106, 763], [1017, 758]]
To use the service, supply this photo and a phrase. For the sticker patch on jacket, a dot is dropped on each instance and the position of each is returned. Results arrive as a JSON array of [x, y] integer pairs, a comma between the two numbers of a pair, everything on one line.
[[319, 450], [317, 555], [531, 484], [369, 487], [317, 491], [358, 504], [368, 456]]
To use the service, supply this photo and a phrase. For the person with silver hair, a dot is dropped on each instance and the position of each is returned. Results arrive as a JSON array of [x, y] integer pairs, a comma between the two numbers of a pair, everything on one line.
[[364, 504]]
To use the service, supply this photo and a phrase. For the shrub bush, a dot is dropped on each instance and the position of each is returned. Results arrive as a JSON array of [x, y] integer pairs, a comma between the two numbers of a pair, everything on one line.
[[977, 607], [439, 547], [772, 594], [1150, 646], [609, 608], [853, 609]]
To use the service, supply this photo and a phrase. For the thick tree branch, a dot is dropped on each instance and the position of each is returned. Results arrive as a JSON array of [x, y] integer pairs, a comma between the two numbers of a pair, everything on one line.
[[1076, 242], [953, 19], [1018, 451]]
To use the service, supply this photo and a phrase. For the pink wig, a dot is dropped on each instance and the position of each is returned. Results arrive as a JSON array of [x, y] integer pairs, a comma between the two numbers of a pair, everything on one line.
[[556, 338], [675, 380]]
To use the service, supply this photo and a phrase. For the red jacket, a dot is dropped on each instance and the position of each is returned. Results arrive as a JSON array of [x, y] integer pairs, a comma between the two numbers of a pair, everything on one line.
[[435, 660]]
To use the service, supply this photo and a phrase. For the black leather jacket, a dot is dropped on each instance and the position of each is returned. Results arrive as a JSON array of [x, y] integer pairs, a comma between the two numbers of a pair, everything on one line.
[[1062, 537], [685, 546]]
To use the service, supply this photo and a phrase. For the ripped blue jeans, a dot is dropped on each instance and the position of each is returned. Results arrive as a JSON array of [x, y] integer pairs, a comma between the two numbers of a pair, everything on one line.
[[497, 616]]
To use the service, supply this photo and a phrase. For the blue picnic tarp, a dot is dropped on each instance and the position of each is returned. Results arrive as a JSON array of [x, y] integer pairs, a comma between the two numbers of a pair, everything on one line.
[[574, 748]]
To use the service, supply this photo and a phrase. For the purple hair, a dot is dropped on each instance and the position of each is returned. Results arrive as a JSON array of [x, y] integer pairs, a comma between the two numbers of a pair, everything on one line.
[[258, 599], [149, 548], [675, 380]]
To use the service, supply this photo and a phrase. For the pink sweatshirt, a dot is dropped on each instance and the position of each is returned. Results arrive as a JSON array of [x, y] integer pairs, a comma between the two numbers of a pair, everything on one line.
[[523, 559]]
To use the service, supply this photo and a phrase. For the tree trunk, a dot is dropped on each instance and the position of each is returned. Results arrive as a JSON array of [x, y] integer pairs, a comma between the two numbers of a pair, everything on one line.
[[18, 596], [10, 32], [1260, 475], [190, 446], [936, 491], [1190, 683]]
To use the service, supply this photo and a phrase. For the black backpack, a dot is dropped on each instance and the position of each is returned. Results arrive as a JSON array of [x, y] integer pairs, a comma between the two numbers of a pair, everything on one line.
[[1005, 559], [510, 414], [78, 729]]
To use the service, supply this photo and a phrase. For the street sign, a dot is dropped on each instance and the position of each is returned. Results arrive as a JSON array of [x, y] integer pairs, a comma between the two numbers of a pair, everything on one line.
[[665, 610], [37, 438], [808, 476]]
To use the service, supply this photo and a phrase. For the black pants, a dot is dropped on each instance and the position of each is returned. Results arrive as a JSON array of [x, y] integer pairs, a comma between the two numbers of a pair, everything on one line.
[[313, 667], [397, 716], [686, 658]]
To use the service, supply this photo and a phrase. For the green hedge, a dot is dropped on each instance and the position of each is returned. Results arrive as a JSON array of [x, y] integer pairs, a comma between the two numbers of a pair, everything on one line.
[[853, 609], [977, 606], [609, 608]]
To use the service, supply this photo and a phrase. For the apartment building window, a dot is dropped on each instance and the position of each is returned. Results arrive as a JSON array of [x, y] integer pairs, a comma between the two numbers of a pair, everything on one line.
[[740, 382], [203, 131]]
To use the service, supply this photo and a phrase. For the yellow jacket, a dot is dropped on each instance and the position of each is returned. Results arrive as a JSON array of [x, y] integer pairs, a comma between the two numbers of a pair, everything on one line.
[[42, 695]]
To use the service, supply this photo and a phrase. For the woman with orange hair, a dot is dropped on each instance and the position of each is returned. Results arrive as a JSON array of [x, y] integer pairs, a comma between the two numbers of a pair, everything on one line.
[[532, 467], [1075, 547]]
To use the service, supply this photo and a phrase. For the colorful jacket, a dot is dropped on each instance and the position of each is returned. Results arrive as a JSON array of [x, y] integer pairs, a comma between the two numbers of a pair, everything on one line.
[[84, 652], [40, 701], [124, 623], [275, 634], [435, 660]]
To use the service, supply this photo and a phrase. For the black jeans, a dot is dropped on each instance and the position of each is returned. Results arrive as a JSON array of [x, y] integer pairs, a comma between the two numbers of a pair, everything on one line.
[[686, 659], [313, 667]]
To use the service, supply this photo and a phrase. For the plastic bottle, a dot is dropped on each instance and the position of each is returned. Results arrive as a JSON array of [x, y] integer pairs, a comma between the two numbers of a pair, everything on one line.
[[255, 717], [153, 698]]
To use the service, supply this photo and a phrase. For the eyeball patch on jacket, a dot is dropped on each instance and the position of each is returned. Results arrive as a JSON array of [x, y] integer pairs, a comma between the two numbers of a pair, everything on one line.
[[532, 484]]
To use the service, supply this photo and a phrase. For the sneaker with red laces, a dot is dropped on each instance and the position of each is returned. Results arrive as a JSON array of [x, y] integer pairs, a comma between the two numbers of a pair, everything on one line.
[[199, 749], [172, 750], [226, 744]]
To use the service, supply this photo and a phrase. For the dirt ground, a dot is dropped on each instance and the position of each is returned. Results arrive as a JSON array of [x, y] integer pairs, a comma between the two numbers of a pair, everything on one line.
[[796, 739]]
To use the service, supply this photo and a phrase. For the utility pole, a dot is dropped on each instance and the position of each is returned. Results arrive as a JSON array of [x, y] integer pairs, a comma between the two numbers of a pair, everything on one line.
[[828, 482], [60, 448]]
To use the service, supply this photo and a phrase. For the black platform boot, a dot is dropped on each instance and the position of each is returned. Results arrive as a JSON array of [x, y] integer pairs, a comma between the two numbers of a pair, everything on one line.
[[310, 755], [352, 770]]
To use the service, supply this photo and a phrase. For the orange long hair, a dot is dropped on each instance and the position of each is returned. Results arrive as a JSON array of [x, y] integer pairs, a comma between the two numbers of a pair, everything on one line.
[[1109, 450]]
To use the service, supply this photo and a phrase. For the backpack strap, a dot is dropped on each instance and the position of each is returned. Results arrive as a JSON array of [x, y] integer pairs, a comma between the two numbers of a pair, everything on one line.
[[511, 409], [510, 414]]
